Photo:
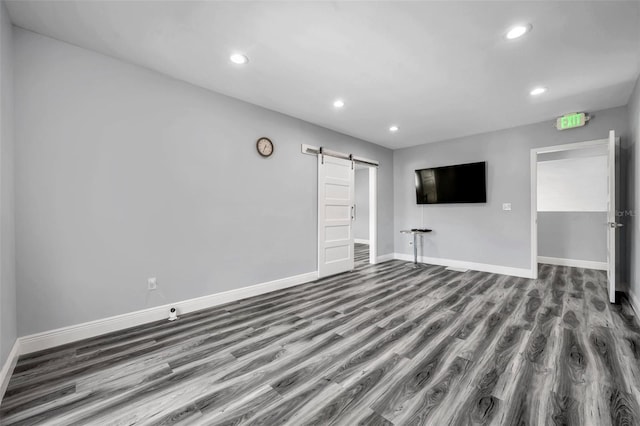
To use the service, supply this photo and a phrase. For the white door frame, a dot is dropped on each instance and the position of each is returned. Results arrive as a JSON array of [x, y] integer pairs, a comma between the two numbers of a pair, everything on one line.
[[373, 214], [534, 189]]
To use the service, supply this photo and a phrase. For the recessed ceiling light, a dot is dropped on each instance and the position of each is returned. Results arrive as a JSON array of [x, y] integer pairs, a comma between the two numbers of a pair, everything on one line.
[[394, 129], [338, 103], [239, 58], [538, 91], [518, 31]]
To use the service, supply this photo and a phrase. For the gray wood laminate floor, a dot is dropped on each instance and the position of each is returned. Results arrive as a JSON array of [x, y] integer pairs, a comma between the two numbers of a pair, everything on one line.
[[385, 344], [361, 255]]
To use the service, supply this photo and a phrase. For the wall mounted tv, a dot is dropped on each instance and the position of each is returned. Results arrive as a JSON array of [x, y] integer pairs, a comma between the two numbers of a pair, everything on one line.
[[462, 183]]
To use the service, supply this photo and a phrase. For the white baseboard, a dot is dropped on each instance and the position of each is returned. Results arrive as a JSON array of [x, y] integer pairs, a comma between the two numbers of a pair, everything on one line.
[[484, 267], [587, 264], [360, 241], [7, 368], [385, 257], [61, 336], [456, 269]]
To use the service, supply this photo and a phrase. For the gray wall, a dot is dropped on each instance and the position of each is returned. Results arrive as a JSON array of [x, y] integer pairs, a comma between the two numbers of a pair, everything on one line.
[[485, 233], [578, 180], [573, 184], [124, 174], [633, 205], [8, 327], [573, 235], [361, 224]]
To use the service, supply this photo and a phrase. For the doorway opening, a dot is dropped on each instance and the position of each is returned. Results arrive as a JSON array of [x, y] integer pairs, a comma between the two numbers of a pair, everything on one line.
[[364, 220], [573, 207]]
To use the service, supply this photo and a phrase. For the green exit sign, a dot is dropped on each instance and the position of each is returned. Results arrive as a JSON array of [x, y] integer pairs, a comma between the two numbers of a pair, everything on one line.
[[570, 121]]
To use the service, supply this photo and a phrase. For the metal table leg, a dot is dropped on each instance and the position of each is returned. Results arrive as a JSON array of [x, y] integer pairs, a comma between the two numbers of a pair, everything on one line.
[[415, 233]]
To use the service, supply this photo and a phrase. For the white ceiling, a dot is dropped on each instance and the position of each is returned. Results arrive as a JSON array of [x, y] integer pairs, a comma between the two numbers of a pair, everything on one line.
[[438, 70]]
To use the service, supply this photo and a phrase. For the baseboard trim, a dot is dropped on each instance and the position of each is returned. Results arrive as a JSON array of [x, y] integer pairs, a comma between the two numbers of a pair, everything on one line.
[[49, 339], [456, 269], [360, 241], [385, 258], [587, 264], [7, 368], [484, 267]]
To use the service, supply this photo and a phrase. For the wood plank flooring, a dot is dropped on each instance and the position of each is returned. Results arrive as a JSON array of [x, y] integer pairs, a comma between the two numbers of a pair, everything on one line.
[[383, 345], [361, 254]]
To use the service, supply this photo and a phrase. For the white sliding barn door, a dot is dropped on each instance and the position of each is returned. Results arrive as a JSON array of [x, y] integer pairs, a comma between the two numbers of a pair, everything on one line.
[[613, 225], [335, 215]]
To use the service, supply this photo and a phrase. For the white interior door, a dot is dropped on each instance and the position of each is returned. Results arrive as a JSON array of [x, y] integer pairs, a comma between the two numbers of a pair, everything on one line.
[[613, 225], [335, 215]]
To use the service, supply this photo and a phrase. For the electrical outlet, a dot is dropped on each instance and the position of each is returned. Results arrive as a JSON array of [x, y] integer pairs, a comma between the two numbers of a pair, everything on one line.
[[152, 284], [506, 206]]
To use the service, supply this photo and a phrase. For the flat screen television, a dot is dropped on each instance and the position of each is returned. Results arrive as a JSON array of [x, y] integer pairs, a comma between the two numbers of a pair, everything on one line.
[[462, 183]]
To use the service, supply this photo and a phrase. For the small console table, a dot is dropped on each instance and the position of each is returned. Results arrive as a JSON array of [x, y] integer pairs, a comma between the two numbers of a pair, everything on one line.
[[415, 233]]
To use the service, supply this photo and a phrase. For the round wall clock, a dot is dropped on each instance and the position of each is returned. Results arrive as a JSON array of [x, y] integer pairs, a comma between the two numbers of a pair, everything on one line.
[[265, 147]]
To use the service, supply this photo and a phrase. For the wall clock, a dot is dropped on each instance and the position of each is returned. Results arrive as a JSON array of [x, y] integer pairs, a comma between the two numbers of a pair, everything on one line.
[[265, 147]]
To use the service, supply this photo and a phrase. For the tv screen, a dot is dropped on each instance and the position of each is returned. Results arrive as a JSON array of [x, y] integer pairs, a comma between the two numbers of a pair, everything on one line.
[[462, 183]]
